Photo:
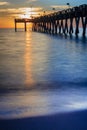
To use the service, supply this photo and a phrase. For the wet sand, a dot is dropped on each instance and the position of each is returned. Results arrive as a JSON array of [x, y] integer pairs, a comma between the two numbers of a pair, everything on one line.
[[63, 121]]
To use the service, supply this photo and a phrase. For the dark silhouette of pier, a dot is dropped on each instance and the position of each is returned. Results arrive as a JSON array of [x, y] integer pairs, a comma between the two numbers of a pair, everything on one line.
[[60, 22], [22, 20]]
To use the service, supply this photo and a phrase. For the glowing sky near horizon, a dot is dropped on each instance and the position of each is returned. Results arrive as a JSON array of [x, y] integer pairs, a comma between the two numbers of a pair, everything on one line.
[[9, 9]]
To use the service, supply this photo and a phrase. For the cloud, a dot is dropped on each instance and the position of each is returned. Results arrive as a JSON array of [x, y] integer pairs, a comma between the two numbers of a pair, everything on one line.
[[4, 3], [34, 0], [60, 7], [30, 1], [37, 9], [10, 12], [33, 9], [16, 12]]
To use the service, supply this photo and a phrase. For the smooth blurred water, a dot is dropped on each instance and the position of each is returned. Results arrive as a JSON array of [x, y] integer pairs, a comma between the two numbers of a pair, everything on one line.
[[41, 73]]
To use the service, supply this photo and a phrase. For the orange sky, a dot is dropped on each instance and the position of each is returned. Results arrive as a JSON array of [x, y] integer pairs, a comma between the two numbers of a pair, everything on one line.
[[6, 22], [7, 17]]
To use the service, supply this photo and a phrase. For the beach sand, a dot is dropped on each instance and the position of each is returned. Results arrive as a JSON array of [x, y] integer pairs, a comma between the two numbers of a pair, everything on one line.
[[63, 121]]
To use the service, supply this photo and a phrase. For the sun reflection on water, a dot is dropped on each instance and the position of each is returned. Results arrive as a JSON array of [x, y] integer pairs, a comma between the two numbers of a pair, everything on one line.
[[28, 61]]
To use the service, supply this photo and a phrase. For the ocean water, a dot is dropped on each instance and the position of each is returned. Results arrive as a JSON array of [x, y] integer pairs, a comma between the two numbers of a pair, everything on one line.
[[41, 74]]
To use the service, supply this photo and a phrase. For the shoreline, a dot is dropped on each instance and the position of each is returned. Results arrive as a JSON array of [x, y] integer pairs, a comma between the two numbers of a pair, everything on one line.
[[63, 121]]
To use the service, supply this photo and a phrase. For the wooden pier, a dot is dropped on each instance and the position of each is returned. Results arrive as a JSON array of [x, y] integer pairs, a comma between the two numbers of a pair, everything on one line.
[[60, 22], [22, 20]]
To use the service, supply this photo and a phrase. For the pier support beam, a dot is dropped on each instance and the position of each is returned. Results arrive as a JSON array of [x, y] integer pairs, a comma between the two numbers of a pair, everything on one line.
[[15, 26], [25, 27], [50, 27], [71, 27], [77, 25], [60, 27], [84, 23], [66, 26], [55, 27]]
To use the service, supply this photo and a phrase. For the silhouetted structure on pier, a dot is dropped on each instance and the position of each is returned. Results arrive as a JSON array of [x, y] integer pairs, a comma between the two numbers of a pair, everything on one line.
[[61, 22]]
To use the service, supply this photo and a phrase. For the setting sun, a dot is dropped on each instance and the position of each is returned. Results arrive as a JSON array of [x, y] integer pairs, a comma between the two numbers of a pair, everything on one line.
[[25, 16], [27, 12]]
